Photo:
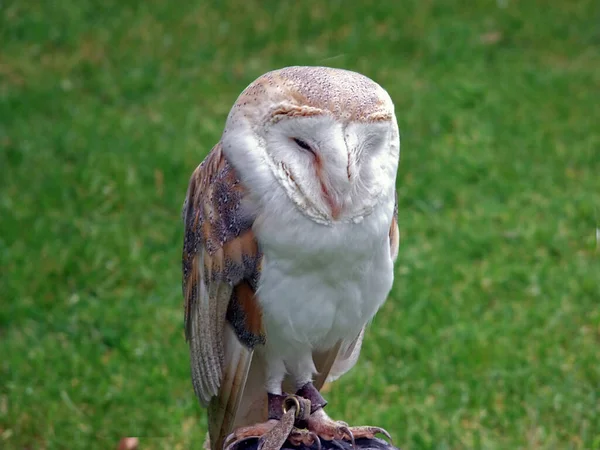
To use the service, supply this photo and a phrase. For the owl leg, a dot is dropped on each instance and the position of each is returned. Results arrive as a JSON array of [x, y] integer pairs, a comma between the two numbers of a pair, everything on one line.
[[258, 430], [328, 429], [276, 371]]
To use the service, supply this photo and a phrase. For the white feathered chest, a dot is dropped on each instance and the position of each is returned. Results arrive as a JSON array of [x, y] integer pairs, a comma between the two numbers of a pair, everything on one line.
[[323, 283]]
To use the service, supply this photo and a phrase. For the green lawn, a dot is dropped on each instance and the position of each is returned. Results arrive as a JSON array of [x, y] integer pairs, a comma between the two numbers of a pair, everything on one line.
[[491, 337]]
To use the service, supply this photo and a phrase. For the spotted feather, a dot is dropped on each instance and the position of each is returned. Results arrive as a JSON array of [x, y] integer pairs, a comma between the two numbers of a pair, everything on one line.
[[221, 264]]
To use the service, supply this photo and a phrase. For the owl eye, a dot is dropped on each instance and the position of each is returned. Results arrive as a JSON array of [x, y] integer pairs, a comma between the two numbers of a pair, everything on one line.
[[303, 145]]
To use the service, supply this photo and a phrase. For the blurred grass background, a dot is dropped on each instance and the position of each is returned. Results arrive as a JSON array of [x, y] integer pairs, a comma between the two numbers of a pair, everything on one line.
[[491, 337]]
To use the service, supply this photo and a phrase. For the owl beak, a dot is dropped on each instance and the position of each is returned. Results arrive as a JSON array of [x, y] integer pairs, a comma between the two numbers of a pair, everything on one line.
[[336, 209], [334, 206], [334, 201]]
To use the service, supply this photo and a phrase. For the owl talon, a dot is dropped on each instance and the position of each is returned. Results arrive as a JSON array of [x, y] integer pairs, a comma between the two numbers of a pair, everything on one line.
[[346, 431], [246, 433], [316, 439], [304, 437], [328, 429], [369, 432], [237, 445]]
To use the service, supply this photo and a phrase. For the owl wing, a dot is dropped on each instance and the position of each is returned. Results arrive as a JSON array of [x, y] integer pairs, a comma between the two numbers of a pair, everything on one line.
[[333, 363], [221, 268]]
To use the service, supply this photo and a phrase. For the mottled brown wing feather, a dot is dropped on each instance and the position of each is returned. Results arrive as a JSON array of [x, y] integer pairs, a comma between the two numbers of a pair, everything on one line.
[[221, 268]]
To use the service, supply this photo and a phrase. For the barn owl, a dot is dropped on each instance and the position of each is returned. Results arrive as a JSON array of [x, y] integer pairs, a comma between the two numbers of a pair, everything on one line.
[[290, 240]]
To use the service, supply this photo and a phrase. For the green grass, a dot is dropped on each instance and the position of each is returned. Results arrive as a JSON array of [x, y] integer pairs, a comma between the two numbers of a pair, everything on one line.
[[491, 336]]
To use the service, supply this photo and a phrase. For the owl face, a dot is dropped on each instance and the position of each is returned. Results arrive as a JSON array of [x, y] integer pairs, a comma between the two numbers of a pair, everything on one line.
[[332, 160]]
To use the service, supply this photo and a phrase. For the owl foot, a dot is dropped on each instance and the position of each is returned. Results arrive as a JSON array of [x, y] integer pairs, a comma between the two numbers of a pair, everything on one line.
[[284, 411], [328, 429], [243, 435], [264, 433]]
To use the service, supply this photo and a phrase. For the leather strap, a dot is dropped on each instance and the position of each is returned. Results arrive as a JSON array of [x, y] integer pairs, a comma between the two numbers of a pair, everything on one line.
[[294, 409], [309, 392]]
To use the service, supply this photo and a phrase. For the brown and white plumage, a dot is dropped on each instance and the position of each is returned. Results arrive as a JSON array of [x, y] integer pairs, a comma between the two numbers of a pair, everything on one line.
[[290, 238]]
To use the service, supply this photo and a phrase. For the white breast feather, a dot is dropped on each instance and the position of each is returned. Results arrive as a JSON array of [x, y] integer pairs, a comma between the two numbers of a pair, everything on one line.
[[321, 284]]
